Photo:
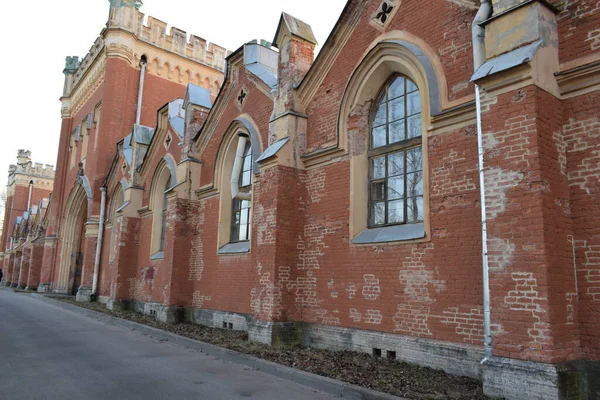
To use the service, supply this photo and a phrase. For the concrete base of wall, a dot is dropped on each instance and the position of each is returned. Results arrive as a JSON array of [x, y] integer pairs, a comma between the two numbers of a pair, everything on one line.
[[84, 293], [166, 314], [517, 379], [277, 333], [31, 289], [218, 319], [456, 359], [44, 288], [118, 305]]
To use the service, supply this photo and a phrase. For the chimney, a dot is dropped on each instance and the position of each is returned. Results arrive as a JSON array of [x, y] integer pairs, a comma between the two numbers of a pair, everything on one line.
[[296, 43]]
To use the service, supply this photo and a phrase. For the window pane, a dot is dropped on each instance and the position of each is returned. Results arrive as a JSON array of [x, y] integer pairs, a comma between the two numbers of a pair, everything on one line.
[[396, 109], [410, 86], [245, 204], [414, 184], [246, 178], [413, 103], [236, 218], [244, 217], [247, 162], [378, 137], [396, 88], [397, 133], [414, 126], [379, 115], [243, 233], [378, 167], [378, 213], [414, 160], [378, 190], [396, 163], [415, 209], [396, 188], [396, 212]]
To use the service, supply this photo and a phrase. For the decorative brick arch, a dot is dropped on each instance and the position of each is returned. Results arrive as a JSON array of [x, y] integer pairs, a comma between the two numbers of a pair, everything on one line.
[[75, 215]]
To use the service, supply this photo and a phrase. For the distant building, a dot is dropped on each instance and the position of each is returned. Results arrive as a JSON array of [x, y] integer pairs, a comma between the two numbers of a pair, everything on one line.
[[29, 186]]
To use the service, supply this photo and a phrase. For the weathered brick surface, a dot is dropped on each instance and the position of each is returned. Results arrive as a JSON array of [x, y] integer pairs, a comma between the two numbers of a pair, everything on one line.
[[542, 175]]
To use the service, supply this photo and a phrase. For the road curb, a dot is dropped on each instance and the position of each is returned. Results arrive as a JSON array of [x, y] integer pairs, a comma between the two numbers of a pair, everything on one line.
[[313, 381]]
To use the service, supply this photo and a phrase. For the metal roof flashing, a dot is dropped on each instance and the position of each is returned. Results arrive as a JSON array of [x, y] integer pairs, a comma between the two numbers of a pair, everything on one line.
[[507, 61]]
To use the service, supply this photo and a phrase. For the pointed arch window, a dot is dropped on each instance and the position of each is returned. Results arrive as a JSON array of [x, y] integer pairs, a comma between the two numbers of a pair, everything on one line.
[[163, 221], [240, 222], [396, 155]]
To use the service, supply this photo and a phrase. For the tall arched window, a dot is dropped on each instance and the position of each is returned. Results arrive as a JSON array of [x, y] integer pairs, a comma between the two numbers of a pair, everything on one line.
[[163, 219], [396, 155], [116, 202], [158, 203], [240, 221]]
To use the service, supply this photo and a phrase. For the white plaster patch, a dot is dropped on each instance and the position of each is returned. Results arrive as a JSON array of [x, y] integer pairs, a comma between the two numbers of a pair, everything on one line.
[[497, 183], [501, 253], [525, 297], [197, 245], [373, 317], [198, 299], [351, 290], [355, 315], [371, 289]]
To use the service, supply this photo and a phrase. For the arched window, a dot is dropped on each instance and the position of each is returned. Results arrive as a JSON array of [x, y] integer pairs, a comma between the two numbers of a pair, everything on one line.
[[158, 203], [396, 156], [240, 221], [116, 202], [163, 219]]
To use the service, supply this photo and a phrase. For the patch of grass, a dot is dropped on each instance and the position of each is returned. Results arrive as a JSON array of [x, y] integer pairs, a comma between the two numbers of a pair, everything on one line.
[[381, 374]]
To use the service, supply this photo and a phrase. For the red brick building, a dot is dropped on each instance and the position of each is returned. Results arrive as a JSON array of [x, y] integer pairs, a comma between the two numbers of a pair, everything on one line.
[[337, 202], [27, 194]]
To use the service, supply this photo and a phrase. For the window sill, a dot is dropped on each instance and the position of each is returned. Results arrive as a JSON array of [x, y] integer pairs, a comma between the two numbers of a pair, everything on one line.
[[235, 248], [158, 255], [394, 233]]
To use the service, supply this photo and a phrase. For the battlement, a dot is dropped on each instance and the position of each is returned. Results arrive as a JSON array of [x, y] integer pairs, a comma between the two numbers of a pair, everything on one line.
[[26, 167], [125, 15]]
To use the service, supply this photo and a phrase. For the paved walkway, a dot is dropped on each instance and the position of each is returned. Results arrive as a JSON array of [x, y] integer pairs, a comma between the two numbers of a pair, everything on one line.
[[47, 352]]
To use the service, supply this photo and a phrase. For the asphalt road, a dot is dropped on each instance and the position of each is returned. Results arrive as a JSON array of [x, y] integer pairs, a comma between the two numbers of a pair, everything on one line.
[[47, 352]]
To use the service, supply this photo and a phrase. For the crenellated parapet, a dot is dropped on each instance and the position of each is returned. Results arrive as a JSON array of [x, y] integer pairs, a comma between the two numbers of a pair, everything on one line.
[[25, 171], [126, 16], [170, 55]]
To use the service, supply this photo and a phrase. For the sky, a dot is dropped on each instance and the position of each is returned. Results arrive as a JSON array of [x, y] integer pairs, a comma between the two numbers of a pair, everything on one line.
[[37, 35]]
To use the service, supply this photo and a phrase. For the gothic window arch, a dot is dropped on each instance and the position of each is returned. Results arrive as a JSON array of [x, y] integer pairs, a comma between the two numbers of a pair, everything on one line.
[[241, 204], [117, 201], [396, 155], [383, 123], [158, 204]]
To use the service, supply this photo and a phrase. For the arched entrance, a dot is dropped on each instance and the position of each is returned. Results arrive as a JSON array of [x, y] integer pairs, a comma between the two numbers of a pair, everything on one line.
[[73, 237]]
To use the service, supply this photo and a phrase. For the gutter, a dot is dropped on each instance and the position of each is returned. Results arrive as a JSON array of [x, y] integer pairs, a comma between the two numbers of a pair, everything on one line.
[[478, 35], [99, 243]]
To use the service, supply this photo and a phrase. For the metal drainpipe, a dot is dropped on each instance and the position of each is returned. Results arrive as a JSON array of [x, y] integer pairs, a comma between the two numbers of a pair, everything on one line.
[[237, 168], [29, 198], [99, 243], [138, 116], [478, 34]]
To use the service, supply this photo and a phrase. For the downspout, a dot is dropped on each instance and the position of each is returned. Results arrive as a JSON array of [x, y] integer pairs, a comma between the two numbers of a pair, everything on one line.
[[29, 198], [99, 243], [237, 168], [143, 65], [478, 32]]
